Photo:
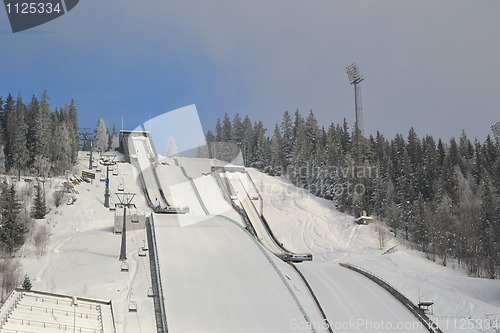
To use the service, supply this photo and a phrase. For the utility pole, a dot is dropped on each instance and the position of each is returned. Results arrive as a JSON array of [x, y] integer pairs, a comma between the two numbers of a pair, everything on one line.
[[126, 201]]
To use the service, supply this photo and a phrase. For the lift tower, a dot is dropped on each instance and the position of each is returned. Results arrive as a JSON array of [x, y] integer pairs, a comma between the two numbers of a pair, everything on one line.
[[355, 79], [87, 137]]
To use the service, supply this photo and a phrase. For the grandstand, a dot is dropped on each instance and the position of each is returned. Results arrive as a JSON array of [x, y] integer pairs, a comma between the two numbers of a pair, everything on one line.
[[27, 311]]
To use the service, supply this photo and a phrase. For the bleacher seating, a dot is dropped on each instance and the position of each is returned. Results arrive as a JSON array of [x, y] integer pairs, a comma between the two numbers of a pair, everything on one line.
[[36, 312]]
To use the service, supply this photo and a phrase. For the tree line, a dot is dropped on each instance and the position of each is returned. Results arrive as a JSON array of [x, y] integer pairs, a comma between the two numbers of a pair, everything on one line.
[[36, 140], [443, 197]]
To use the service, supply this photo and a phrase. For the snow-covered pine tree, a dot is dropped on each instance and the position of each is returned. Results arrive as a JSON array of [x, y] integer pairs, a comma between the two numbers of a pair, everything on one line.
[[287, 141], [218, 131], [276, 153], [237, 130], [101, 136], [113, 139], [2, 147], [486, 230], [248, 142], [73, 130], [226, 129], [18, 130], [13, 230], [39, 207], [262, 146], [61, 147], [26, 283]]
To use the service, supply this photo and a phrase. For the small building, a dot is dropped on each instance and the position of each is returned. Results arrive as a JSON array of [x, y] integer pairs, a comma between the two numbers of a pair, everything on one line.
[[364, 219], [135, 220]]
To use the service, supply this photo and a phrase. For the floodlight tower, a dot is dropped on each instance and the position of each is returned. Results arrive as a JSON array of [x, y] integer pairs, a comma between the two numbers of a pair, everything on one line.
[[355, 79], [495, 128]]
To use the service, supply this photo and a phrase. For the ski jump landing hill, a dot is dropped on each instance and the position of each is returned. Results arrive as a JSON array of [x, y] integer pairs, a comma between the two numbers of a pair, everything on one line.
[[213, 276]]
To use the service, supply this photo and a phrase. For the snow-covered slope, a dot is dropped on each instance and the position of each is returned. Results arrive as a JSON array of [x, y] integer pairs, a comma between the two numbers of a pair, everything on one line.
[[82, 256], [216, 277], [303, 222]]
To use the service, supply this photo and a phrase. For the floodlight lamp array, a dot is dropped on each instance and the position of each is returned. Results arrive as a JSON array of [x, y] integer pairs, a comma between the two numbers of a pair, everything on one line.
[[353, 74]]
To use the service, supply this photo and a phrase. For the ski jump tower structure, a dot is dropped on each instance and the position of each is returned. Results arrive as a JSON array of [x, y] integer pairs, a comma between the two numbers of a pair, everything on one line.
[[355, 79]]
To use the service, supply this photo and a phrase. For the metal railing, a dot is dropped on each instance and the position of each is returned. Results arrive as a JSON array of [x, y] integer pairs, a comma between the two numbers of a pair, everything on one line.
[[160, 312], [417, 312]]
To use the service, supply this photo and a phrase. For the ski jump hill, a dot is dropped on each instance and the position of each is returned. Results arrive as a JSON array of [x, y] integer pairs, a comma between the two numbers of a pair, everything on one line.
[[223, 274]]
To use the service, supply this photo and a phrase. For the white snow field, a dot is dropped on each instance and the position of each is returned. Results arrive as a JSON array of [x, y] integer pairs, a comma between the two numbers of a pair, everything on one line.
[[217, 278], [305, 223], [82, 256]]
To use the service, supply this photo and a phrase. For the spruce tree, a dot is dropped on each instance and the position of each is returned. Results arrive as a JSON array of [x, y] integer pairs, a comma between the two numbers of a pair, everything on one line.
[[41, 132], [101, 136], [2, 152], [311, 136], [26, 283], [226, 128], [237, 130], [39, 206], [248, 143], [287, 139], [18, 130], [12, 231], [9, 123], [218, 131], [73, 130], [276, 153]]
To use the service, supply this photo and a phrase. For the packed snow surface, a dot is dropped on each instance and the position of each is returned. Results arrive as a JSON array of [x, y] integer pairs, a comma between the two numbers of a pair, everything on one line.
[[216, 279]]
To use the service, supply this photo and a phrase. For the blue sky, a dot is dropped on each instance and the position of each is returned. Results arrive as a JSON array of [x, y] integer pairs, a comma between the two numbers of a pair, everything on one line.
[[427, 64]]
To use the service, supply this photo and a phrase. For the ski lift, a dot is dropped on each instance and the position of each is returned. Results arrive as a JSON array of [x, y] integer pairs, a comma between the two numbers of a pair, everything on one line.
[[150, 292], [115, 172], [120, 187], [142, 253], [124, 267], [132, 306]]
